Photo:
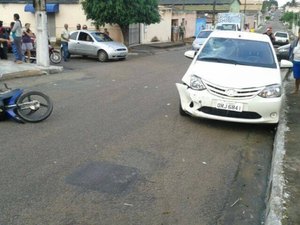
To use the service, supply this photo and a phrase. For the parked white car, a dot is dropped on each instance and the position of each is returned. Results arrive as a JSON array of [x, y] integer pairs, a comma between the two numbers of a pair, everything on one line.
[[200, 38], [96, 44], [282, 37], [234, 77]]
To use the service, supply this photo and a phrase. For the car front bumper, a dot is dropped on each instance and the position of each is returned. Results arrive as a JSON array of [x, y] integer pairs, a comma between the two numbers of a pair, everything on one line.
[[204, 104]]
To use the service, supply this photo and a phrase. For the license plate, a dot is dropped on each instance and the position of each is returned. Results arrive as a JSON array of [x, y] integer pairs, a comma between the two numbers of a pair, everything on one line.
[[232, 106]]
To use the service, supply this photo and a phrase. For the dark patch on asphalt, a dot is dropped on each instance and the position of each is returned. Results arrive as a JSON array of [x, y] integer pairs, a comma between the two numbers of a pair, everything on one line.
[[85, 78], [105, 177]]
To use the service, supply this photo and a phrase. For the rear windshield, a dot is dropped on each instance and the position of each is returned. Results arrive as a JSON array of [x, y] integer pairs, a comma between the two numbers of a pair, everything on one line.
[[238, 51], [204, 34], [284, 35]]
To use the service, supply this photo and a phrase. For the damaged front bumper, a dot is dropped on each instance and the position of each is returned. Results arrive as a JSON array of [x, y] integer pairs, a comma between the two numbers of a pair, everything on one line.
[[204, 105]]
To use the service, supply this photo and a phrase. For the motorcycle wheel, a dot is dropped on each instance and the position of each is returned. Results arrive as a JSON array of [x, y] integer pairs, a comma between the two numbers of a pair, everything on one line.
[[55, 57], [34, 106]]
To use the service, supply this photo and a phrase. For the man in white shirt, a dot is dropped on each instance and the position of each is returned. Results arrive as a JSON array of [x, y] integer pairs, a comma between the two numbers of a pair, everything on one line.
[[65, 36]]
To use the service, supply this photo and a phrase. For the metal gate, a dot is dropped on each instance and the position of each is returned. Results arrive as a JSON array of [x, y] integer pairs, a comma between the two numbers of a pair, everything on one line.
[[134, 34]]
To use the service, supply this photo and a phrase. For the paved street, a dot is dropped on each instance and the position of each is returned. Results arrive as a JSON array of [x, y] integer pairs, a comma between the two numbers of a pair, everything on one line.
[[116, 151]]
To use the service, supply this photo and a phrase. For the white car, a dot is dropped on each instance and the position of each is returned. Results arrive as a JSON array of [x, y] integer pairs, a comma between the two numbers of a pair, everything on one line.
[[96, 44], [282, 37], [201, 37], [234, 77]]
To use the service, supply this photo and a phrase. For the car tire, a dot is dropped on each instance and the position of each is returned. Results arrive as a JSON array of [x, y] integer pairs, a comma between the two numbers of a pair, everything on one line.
[[102, 56]]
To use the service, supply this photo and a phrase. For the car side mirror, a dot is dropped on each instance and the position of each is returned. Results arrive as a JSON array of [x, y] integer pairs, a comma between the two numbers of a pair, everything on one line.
[[285, 64], [190, 54]]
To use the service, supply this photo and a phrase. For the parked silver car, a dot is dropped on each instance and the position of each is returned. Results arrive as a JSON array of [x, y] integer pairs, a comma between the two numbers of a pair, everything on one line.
[[96, 44]]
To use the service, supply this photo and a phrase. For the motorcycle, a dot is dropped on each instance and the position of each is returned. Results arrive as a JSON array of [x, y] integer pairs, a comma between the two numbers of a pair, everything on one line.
[[31, 106], [54, 55]]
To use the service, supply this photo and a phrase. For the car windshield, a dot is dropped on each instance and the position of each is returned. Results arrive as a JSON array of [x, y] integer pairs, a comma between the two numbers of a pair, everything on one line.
[[101, 37], [238, 51], [204, 34]]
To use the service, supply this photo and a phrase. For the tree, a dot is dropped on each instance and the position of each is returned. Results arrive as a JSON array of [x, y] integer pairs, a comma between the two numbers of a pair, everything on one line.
[[122, 12]]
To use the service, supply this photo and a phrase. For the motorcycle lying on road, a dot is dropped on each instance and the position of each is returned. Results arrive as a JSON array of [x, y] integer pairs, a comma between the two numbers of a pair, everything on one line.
[[31, 106], [54, 55]]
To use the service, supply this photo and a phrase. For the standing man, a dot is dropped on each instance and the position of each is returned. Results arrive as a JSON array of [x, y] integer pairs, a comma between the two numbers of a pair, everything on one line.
[[17, 32], [3, 44], [270, 34], [181, 31], [65, 36]]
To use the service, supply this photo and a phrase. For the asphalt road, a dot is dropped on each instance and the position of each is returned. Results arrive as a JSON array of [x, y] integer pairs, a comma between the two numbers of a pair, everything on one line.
[[116, 151]]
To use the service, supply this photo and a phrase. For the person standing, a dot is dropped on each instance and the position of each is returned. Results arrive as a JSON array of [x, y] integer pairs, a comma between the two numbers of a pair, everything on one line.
[[270, 34], [65, 36], [3, 42], [78, 27], [294, 56], [106, 31], [11, 38], [17, 32], [181, 32], [27, 41]]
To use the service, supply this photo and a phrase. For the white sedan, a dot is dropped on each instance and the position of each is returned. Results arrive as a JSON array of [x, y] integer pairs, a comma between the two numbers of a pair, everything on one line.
[[96, 44], [234, 77]]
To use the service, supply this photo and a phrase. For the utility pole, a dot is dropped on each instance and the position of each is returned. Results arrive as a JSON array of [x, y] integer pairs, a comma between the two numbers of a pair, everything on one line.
[[42, 49], [214, 12]]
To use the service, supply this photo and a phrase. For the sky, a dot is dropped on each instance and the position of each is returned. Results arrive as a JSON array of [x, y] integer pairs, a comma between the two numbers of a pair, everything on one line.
[[282, 2]]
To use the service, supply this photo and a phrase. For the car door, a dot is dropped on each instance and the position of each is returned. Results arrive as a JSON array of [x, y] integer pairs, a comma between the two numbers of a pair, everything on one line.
[[82, 43], [72, 45]]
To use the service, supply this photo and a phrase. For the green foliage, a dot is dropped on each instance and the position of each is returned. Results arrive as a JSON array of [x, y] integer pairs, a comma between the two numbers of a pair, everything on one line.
[[288, 17], [122, 12]]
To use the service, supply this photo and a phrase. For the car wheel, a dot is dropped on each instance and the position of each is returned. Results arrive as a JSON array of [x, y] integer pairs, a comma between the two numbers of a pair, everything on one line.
[[181, 112], [102, 56]]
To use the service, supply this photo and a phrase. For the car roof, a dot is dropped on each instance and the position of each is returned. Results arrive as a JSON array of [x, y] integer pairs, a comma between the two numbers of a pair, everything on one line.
[[240, 35], [86, 31]]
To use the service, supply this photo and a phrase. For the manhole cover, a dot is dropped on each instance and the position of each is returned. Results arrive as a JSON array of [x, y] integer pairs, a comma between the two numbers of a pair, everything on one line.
[[105, 177]]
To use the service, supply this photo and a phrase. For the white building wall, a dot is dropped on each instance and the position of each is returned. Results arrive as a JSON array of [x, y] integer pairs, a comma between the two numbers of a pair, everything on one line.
[[72, 14], [162, 30]]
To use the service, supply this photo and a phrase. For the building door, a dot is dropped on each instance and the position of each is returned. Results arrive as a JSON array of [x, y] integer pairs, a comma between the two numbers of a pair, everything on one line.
[[134, 34]]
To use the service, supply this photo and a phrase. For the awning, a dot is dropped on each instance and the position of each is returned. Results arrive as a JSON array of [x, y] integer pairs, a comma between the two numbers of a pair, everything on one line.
[[50, 8]]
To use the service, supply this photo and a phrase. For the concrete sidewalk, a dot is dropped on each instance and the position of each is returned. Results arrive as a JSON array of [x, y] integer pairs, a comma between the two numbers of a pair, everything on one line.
[[283, 197], [11, 70]]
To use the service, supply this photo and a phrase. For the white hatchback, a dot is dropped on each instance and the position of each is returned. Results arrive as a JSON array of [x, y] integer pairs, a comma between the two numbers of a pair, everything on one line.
[[234, 77]]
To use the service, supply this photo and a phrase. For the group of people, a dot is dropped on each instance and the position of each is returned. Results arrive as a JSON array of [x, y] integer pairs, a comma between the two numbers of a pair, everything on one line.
[[21, 40]]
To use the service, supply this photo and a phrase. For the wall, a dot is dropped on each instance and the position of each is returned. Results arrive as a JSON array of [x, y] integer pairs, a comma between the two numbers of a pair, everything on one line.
[[72, 14], [160, 30]]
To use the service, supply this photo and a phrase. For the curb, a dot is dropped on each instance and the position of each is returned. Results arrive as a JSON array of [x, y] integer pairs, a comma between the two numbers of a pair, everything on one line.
[[274, 200], [21, 74], [30, 72]]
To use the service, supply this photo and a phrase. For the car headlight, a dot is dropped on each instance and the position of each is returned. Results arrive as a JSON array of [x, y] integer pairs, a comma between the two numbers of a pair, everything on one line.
[[272, 91], [196, 83]]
